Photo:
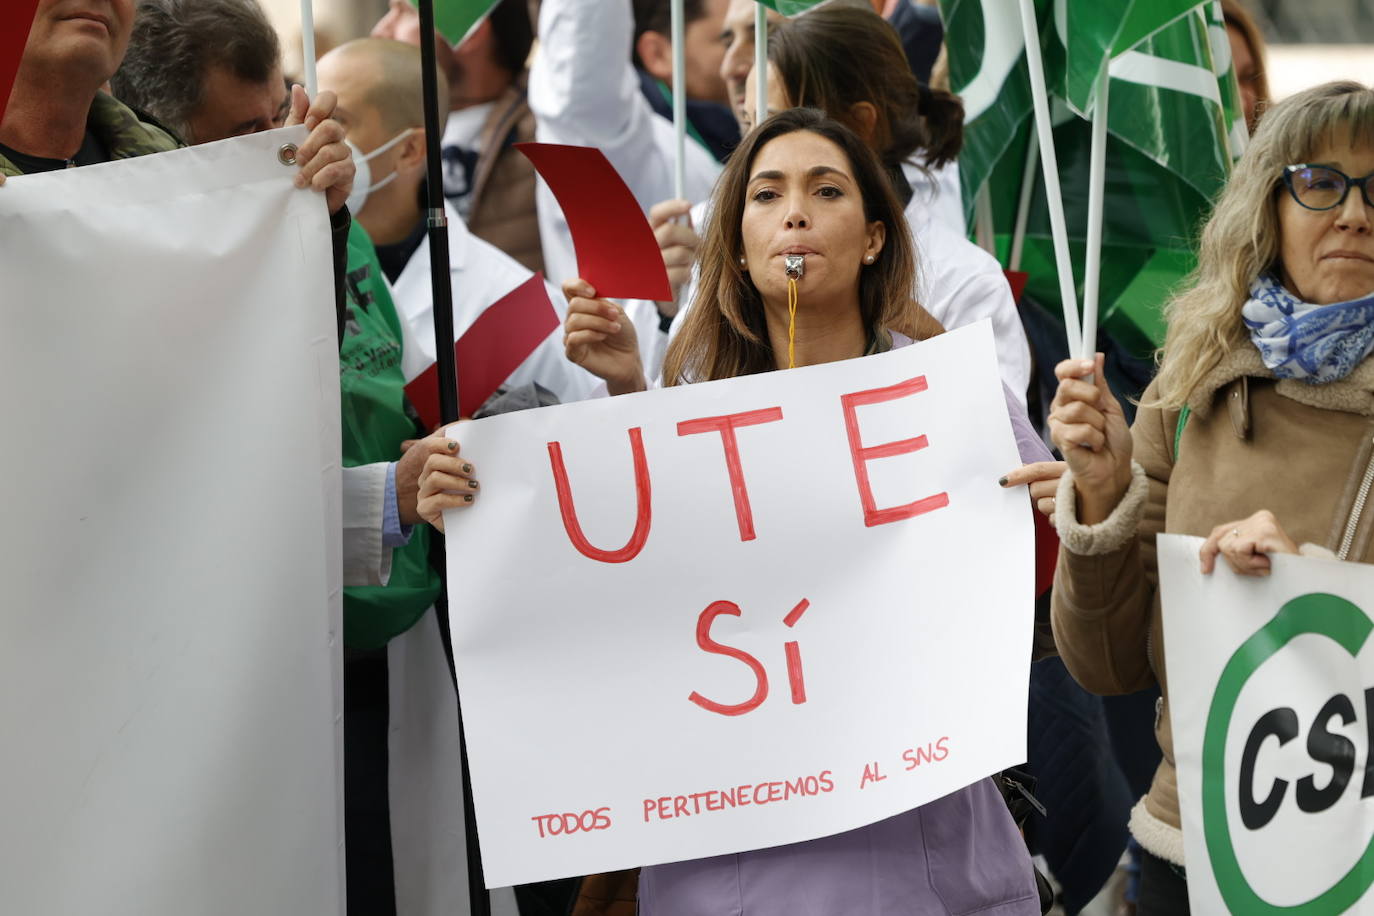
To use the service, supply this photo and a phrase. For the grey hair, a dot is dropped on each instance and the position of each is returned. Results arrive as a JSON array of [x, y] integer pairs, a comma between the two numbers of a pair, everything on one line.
[[1242, 239], [176, 42]]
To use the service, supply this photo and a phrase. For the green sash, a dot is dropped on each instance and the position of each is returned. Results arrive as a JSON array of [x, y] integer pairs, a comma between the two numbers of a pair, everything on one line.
[[375, 422]]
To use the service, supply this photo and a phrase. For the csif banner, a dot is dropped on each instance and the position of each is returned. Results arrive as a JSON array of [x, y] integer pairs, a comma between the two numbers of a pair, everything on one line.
[[1271, 686]]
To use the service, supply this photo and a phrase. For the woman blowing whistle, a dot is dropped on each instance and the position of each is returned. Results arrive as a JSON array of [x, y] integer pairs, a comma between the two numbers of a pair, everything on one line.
[[808, 260]]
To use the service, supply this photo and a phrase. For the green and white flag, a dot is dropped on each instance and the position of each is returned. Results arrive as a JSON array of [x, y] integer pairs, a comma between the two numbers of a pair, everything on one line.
[[790, 7], [1103, 31], [1172, 137], [456, 19]]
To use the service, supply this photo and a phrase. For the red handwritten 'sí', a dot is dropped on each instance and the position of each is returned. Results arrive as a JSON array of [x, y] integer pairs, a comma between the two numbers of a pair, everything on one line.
[[793, 651]]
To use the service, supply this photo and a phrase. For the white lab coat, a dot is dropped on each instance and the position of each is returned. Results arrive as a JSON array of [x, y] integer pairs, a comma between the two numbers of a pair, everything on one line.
[[936, 195], [584, 91], [481, 274], [424, 780], [959, 284], [365, 560]]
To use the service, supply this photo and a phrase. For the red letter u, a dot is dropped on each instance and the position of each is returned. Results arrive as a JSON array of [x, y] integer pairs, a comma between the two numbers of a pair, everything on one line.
[[569, 511]]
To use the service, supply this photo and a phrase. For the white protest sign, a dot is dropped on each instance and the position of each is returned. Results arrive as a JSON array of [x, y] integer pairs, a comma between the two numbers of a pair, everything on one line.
[[740, 614], [169, 692], [1271, 691]]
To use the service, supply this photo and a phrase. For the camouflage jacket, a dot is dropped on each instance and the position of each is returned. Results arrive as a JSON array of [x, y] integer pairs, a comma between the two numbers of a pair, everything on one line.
[[120, 130]]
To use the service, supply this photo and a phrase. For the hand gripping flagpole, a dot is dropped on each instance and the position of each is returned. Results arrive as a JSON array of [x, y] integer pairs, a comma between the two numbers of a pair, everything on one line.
[[441, 283], [1050, 165], [1097, 187]]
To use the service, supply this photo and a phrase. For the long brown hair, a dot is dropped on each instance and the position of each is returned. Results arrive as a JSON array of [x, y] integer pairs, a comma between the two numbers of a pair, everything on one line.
[[1234, 13], [838, 56], [724, 334]]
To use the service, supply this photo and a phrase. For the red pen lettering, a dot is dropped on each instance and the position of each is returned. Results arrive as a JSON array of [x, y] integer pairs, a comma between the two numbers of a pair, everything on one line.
[[863, 455], [570, 823], [708, 644], [792, 650], [643, 513], [726, 426], [871, 775]]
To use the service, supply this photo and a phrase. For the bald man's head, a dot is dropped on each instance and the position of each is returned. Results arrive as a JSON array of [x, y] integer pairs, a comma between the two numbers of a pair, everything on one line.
[[381, 77]]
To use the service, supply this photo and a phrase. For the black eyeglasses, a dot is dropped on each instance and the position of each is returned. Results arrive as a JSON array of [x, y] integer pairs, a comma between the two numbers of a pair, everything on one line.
[[1320, 187]]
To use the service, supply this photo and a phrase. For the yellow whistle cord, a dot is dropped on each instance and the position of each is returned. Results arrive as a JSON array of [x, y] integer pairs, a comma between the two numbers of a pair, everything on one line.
[[792, 323]]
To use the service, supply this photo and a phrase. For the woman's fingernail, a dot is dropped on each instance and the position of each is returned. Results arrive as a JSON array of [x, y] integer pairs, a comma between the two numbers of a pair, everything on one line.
[[452, 446], [467, 498], [1001, 481], [615, 327], [467, 469], [473, 484]]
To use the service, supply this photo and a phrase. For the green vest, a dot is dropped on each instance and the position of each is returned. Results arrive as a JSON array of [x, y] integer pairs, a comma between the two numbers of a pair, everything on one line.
[[374, 424]]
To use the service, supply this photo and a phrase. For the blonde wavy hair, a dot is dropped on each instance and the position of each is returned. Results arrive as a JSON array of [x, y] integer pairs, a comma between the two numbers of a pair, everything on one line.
[[1242, 239]]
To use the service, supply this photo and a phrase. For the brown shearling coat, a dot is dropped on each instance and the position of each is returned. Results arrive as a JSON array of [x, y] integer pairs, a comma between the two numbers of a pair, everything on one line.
[[1304, 452], [503, 187]]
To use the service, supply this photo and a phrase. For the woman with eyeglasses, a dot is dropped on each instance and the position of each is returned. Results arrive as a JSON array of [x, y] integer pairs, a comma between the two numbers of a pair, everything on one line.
[[1264, 400]]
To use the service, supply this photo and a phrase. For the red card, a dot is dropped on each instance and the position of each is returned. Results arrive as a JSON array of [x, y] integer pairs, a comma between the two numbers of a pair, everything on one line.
[[1017, 279], [1046, 552], [616, 250], [499, 340], [13, 36]]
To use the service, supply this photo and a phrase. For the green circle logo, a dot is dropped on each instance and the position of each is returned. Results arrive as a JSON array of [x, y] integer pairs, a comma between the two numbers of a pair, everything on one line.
[[1318, 614]]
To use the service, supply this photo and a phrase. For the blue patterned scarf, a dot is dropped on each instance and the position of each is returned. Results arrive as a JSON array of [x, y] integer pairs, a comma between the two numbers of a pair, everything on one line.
[[1315, 343]]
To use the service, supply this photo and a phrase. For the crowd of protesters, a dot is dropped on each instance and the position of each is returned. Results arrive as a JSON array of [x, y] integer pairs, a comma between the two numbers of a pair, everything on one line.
[[1265, 366]]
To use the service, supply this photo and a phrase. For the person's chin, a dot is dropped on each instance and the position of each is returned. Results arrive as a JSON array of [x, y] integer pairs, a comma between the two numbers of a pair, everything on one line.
[[1350, 279]]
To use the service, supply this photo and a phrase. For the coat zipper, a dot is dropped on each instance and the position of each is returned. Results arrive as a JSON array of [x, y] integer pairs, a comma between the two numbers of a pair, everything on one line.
[[1348, 539]]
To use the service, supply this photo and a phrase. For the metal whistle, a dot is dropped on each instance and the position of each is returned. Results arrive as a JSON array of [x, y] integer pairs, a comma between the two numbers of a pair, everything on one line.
[[795, 265]]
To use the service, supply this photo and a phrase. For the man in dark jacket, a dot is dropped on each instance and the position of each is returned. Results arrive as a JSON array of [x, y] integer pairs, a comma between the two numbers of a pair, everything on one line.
[[58, 116], [709, 119]]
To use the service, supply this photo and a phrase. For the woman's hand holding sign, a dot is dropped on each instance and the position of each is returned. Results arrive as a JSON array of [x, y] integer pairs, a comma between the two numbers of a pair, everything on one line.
[[1245, 544], [1042, 479], [599, 337], [447, 481], [1089, 428]]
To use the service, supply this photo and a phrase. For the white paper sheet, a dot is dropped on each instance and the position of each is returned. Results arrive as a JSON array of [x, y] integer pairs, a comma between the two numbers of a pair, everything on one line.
[[576, 675], [170, 699]]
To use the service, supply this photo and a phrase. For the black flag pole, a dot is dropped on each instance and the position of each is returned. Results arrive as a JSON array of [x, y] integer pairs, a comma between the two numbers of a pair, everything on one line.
[[441, 280]]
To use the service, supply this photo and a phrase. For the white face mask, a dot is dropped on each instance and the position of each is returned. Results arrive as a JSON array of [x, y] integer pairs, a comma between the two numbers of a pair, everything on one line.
[[362, 178]]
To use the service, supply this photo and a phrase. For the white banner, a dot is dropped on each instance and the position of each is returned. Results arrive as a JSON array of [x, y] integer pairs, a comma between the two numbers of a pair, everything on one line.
[[740, 614], [1271, 690], [169, 698]]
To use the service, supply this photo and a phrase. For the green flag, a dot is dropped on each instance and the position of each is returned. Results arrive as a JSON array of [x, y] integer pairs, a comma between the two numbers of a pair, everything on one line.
[[1101, 31], [455, 19], [790, 7], [1170, 130]]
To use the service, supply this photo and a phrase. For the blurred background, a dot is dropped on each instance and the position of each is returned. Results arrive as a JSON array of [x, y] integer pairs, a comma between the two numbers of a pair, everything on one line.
[[1311, 41]]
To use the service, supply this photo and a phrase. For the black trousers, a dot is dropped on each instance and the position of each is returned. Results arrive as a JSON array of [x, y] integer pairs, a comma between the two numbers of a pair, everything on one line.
[[367, 821], [1163, 888]]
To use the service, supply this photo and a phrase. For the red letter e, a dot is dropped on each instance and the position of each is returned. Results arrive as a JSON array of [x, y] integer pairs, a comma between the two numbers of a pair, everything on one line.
[[872, 514]]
